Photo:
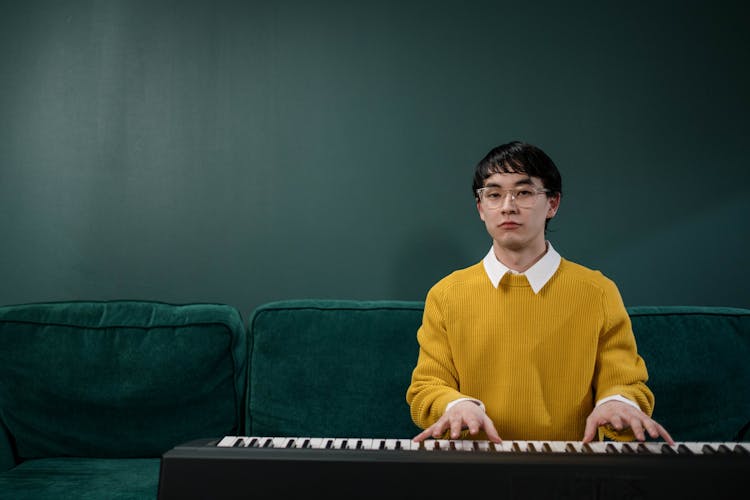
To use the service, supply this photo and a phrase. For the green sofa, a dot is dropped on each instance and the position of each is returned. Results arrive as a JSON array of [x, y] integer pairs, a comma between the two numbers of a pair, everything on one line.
[[93, 393]]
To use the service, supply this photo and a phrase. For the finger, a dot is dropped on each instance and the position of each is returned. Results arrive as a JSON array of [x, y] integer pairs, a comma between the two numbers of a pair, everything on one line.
[[456, 426], [590, 431], [637, 427], [652, 428], [616, 422], [665, 435], [439, 428], [473, 424], [489, 429], [422, 435]]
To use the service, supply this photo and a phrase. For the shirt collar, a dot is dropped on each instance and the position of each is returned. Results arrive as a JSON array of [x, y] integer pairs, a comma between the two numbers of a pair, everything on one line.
[[538, 275]]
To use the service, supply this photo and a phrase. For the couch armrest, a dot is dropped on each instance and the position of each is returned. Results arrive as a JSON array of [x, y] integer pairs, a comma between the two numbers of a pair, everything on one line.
[[7, 457]]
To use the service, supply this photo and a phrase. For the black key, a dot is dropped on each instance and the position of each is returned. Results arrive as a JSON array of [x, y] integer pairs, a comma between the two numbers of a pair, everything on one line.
[[706, 449], [643, 449], [610, 448], [683, 450], [667, 450], [240, 443]]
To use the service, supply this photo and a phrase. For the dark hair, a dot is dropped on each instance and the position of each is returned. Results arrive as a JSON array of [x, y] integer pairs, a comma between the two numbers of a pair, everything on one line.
[[518, 158]]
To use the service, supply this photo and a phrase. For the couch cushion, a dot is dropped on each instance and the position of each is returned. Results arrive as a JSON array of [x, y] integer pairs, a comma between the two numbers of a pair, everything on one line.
[[82, 479], [119, 378], [698, 359], [332, 368]]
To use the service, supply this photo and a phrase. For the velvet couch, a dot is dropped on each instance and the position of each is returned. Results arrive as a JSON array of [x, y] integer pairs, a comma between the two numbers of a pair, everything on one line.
[[93, 393]]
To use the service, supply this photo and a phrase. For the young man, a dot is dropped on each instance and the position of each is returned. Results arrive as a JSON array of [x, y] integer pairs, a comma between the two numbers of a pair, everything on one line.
[[526, 345]]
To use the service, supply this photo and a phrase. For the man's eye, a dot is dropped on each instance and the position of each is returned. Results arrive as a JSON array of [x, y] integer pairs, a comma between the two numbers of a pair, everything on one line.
[[493, 195], [523, 193]]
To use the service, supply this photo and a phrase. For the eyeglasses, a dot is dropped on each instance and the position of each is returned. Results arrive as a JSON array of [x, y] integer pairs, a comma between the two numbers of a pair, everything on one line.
[[493, 197]]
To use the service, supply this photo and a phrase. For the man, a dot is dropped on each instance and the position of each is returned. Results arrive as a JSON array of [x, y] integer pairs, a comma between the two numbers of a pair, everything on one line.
[[526, 345]]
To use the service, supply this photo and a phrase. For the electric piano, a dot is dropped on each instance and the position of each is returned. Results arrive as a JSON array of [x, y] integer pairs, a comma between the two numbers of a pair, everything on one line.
[[235, 467]]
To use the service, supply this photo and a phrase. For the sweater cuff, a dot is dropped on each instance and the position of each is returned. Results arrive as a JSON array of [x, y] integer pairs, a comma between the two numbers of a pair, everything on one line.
[[617, 397], [449, 405]]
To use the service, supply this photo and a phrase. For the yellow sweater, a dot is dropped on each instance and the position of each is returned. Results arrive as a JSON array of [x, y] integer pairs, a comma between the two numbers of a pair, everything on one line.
[[539, 362]]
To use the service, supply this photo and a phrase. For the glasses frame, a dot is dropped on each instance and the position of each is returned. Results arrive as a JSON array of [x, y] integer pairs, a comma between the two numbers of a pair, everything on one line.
[[513, 194]]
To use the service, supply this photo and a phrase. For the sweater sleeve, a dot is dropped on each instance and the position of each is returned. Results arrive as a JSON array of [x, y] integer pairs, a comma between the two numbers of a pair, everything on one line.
[[620, 369], [434, 381]]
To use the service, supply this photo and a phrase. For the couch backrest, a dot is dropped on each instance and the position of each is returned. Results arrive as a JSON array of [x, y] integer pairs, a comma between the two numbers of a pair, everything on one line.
[[119, 378], [698, 359], [337, 368], [332, 368]]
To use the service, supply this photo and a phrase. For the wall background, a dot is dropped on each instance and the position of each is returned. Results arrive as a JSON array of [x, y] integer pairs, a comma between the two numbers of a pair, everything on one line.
[[248, 151]]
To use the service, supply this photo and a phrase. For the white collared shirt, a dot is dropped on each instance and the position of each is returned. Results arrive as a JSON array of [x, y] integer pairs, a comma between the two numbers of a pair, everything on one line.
[[538, 274]]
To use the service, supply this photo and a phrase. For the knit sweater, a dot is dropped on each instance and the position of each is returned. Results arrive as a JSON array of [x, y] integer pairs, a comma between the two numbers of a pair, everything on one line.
[[537, 361]]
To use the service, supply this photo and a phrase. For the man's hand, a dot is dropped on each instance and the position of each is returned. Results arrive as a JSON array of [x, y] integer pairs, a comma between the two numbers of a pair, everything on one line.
[[621, 416], [462, 415]]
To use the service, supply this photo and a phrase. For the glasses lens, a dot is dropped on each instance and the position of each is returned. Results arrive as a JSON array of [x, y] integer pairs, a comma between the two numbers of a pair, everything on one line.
[[494, 197]]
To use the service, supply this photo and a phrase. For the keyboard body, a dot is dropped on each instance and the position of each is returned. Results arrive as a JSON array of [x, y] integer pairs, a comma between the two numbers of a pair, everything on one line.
[[236, 467]]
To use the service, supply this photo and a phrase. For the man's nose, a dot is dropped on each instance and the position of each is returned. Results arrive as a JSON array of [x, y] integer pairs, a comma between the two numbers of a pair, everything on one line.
[[508, 204]]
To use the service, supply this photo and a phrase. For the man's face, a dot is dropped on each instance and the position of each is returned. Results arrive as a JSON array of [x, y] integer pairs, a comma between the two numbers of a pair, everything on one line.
[[516, 224]]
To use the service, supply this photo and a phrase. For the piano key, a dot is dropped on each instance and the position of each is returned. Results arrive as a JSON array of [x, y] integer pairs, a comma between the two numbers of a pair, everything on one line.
[[227, 441], [469, 445], [627, 448], [571, 447], [558, 446], [484, 445], [367, 443], [316, 442]]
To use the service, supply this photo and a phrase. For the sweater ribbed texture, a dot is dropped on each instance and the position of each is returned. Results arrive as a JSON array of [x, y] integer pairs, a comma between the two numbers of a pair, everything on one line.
[[538, 361]]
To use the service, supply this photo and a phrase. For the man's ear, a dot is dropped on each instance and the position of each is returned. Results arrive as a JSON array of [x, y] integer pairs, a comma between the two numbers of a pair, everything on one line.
[[479, 209], [554, 204]]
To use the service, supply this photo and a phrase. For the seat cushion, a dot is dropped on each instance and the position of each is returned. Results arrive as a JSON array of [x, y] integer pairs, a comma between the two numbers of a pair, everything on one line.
[[698, 365], [82, 479], [119, 378], [332, 368]]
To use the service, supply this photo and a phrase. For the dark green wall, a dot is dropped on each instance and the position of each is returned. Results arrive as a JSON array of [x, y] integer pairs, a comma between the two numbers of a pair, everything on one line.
[[241, 152]]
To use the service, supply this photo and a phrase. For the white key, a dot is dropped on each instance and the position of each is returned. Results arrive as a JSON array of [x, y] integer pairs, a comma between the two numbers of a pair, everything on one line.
[[464, 445], [483, 445], [367, 443], [227, 441], [404, 444]]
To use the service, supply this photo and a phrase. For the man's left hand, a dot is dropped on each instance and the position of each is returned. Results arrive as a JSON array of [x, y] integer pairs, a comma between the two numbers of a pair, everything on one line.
[[622, 416]]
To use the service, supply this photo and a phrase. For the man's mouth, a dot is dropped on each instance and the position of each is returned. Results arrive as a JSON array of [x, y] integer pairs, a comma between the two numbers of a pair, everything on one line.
[[510, 225]]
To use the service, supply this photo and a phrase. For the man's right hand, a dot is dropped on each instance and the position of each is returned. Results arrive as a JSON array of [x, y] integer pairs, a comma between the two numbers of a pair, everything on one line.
[[462, 415]]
